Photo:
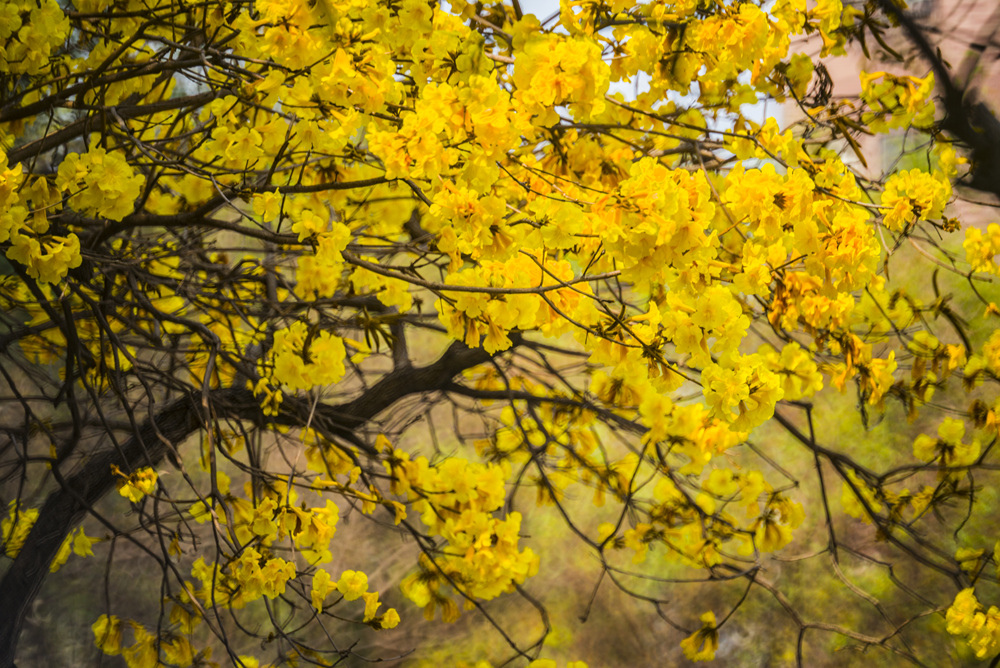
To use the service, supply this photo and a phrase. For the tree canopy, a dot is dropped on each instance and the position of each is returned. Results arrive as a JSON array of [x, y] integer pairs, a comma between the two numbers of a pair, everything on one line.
[[326, 316]]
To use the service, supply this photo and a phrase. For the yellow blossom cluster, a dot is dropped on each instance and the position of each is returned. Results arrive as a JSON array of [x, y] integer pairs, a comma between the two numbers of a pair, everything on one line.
[[392, 292], [696, 529], [863, 501], [76, 542], [29, 34], [744, 31], [873, 375], [977, 626], [319, 274], [479, 317], [657, 219], [800, 374], [275, 517], [981, 249], [303, 358], [47, 258], [897, 101], [472, 225], [244, 579], [914, 195], [947, 449], [459, 129], [479, 556], [148, 649], [99, 183], [742, 390], [352, 585], [553, 70], [23, 220], [942, 357]]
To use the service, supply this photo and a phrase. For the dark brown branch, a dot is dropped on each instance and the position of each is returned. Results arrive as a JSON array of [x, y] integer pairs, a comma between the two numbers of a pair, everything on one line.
[[96, 121], [67, 506]]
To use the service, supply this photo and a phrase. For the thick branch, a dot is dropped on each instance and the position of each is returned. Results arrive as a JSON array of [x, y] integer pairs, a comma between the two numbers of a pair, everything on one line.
[[67, 506], [96, 121]]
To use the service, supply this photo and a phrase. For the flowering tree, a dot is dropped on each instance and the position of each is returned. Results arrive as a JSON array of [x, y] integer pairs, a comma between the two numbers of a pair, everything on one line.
[[458, 271]]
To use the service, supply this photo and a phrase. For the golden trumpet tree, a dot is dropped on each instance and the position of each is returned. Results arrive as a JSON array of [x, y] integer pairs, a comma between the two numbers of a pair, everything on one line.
[[452, 271]]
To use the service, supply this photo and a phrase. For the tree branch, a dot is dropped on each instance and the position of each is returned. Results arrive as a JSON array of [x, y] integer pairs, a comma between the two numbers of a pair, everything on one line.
[[67, 506]]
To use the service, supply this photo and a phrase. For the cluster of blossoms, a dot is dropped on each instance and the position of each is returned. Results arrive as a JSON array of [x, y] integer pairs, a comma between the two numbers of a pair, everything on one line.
[[456, 501], [981, 249], [913, 195], [897, 101], [977, 626], [23, 221], [30, 32]]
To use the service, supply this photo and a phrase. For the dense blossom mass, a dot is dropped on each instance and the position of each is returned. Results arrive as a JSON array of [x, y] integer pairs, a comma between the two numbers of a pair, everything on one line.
[[273, 223]]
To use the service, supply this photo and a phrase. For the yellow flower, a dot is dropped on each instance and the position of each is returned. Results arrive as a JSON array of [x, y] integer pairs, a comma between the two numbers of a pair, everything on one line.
[[274, 576], [178, 652], [321, 586], [968, 558], [144, 652], [48, 258], [703, 643], [774, 527], [268, 205], [389, 620], [371, 605], [352, 584], [15, 527], [897, 101], [62, 555], [76, 542], [914, 195], [981, 627], [302, 368], [108, 634], [263, 523], [137, 485], [948, 446], [981, 250], [100, 183]]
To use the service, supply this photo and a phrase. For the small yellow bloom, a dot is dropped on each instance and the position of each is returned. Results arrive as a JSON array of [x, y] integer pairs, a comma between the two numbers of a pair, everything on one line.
[[108, 634], [703, 643], [389, 620], [76, 542], [137, 485], [371, 605], [321, 586], [82, 544], [352, 584], [15, 527]]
